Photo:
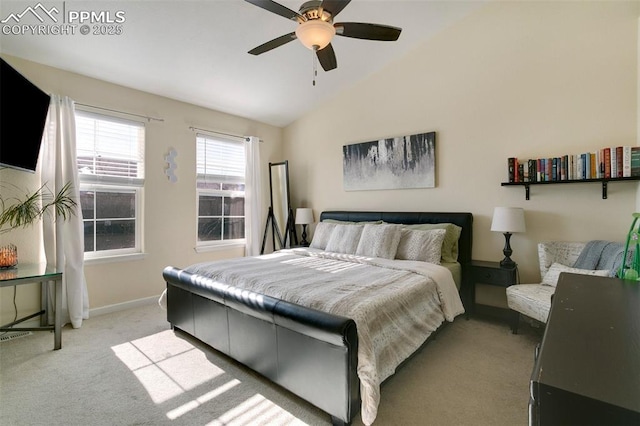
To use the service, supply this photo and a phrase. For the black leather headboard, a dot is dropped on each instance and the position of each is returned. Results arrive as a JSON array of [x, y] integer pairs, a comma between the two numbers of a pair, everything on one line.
[[464, 220]]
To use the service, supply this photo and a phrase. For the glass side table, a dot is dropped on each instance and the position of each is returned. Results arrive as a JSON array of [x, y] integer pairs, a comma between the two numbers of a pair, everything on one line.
[[30, 273]]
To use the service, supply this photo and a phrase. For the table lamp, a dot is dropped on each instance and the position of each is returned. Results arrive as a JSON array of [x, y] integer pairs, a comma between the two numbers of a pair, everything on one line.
[[304, 217], [508, 220]]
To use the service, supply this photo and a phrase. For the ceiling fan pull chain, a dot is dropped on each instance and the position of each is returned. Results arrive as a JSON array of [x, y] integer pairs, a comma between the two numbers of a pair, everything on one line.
[[315, 68]]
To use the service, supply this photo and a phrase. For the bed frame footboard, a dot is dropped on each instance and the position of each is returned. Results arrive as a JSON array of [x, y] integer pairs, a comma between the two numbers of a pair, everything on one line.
[[308, 352]]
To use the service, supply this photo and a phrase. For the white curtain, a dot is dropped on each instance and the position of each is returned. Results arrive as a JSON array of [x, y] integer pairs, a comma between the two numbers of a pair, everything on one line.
[[64, 239], [253, 196]]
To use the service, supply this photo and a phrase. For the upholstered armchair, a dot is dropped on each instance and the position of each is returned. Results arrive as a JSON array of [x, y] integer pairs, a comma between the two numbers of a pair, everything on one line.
[[534, 300]]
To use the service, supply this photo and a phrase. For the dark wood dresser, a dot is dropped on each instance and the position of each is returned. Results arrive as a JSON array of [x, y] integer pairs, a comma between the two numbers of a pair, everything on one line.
[[587, 369]]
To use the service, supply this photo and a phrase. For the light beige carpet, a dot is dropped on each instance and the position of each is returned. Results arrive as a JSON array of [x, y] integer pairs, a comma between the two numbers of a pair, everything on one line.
[[129, 368]]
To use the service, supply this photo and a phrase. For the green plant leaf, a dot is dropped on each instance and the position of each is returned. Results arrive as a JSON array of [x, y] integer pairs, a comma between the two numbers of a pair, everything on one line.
[[24, 212]]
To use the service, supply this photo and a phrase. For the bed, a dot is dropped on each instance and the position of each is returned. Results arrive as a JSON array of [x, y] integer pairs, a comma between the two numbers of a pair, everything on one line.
[[306, 325]]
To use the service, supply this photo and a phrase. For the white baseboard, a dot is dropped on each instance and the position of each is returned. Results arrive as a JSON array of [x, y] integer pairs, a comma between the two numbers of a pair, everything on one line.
[[122, 306], [35, 322]]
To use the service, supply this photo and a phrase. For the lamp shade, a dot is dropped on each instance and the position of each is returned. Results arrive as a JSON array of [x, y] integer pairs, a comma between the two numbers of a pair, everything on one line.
[[304, 216], [315, 34], [508, 219]]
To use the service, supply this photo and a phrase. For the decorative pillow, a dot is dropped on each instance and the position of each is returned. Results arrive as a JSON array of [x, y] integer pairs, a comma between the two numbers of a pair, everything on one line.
[[379, 241], [321, 235], [450, 243], [344, 239], [552, 275], [424, 246]]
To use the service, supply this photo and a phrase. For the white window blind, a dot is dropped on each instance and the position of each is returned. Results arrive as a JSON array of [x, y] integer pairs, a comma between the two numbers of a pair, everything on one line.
[[109, 149], [219, 160]]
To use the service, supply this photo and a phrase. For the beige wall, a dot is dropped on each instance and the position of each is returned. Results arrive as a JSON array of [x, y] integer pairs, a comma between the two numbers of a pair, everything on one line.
[[169, 209], [523, 79]]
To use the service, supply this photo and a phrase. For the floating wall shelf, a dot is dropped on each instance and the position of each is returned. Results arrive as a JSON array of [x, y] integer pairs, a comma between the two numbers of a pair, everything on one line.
[[603, 181]]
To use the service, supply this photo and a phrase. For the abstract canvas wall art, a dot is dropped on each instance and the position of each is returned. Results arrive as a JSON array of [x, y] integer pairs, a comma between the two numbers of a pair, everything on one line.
[[394, 163]]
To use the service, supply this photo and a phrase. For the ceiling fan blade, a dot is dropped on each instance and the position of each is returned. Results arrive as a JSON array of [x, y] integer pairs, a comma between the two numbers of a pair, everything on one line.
[[277, 8], [367, 31], [276, 42], [334, 6], [327, 58]]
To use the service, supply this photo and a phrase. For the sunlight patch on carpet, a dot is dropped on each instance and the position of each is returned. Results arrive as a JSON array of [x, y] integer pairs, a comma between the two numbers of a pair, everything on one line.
[[165, 366], [257, 410], [169, 367], [192, 405]]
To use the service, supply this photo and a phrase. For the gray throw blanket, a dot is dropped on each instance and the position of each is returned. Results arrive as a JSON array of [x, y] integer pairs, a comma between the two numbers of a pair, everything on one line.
[[602, 255]]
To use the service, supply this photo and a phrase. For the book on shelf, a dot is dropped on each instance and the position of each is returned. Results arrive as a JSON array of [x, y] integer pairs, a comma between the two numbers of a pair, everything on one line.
[[605, 163], [511, 167], [522, 177], [532, 166], [619, 160], [539, 170], [635, 161], [586, 165], [626, 161]]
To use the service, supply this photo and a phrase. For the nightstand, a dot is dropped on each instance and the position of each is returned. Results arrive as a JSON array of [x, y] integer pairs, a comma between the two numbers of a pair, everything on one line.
[[491, 274]]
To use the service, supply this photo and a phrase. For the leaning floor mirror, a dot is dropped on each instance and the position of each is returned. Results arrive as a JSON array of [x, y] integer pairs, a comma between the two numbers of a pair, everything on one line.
[[280, 217]]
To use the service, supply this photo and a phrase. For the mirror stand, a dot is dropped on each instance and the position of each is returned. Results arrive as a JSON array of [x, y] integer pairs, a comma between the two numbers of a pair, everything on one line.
[[280, 211], [275, 231]]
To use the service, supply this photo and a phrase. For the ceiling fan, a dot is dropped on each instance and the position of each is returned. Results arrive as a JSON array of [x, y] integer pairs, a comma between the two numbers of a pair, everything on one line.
[[316, 28]]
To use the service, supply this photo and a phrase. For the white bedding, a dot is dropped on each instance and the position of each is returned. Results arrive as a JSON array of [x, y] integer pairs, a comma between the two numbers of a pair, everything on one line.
[[396, 304]]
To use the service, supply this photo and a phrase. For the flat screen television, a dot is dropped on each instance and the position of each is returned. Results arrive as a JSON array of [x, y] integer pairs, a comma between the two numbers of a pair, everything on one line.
[[23, 115]]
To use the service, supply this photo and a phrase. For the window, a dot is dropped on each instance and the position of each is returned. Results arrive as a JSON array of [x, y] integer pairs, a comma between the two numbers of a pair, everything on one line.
[[220, 187], [110, 155]]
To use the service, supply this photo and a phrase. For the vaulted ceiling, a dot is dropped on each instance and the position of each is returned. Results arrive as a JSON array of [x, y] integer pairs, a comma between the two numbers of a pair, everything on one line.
[[196, 51]]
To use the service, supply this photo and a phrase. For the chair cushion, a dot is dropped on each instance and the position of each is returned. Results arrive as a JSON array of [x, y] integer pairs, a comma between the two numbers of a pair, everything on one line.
[[532, 300], [552, 275]]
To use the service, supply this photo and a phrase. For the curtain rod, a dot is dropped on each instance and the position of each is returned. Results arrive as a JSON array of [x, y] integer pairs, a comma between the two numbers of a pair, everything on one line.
[[244, 138], [122, 112]]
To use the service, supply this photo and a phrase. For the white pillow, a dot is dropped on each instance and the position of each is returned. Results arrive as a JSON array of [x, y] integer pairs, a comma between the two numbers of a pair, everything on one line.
[[423, 246], [379, 241], [552, 275], [321, 235], [344, 239]]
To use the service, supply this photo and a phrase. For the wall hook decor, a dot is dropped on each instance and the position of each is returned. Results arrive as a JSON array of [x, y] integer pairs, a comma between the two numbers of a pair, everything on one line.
[[170, 158]]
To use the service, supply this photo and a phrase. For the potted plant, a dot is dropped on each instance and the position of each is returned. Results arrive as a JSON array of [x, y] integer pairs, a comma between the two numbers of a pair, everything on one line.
[[23, 212]]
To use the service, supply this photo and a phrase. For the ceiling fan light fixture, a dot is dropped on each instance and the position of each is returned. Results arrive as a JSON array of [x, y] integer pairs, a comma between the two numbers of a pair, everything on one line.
[[315, 34]]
